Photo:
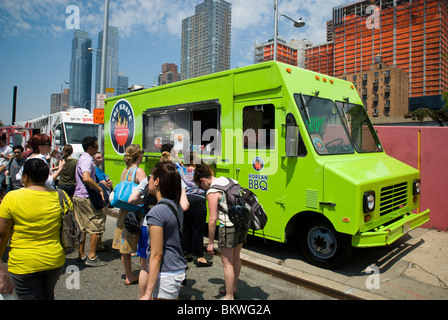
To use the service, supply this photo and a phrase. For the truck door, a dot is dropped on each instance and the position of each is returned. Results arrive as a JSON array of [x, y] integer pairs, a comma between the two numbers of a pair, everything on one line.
[[257, 157]]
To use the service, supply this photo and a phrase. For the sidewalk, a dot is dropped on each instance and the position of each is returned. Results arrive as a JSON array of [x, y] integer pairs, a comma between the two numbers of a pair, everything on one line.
[[413, 268]]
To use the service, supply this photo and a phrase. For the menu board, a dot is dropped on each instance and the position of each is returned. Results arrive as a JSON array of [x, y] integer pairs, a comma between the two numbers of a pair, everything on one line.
[[163, 128]]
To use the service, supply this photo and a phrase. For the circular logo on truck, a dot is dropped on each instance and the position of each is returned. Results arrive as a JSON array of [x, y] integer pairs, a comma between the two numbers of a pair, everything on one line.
[[122, 126], [258, 164]]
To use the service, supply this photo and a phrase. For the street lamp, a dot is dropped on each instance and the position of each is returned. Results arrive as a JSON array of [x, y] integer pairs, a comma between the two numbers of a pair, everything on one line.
[[297, 23], [156, 76], [104, 51], [62, 84]]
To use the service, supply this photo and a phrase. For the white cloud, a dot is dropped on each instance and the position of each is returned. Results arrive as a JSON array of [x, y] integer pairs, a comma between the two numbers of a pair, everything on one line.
[[20, 18], [137, 17], [252, 20]]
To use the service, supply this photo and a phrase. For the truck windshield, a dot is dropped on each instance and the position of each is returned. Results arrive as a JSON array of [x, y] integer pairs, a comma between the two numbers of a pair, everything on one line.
[[337, 128], [75, 132], [360, 128]]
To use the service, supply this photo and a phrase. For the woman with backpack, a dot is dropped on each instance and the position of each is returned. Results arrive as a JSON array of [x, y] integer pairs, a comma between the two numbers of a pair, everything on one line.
[[230, 239]]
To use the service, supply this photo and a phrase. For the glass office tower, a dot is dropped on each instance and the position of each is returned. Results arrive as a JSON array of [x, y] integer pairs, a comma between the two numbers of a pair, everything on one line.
[[111, 61], [206, 39], [80, 71]]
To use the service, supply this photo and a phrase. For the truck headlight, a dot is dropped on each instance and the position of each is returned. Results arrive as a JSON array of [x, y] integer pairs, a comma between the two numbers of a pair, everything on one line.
[[369, 201], [416, 187]]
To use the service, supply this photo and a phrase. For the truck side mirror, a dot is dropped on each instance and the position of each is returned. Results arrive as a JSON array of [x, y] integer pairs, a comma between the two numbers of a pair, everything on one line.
[[292, 141]]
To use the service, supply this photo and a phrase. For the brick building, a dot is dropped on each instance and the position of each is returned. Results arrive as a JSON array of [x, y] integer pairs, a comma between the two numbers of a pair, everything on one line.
[[320, 58], [169, 74], [410, 35], [292, 52], [383, 90]]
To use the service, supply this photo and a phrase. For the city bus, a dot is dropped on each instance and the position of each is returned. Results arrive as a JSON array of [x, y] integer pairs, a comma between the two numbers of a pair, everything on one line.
[[300, 140]]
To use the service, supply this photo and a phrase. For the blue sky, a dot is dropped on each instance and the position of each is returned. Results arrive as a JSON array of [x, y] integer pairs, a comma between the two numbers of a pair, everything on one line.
[[35, 43]]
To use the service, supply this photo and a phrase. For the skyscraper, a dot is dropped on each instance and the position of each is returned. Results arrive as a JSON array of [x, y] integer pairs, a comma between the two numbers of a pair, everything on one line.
[[206, 39], [111, 60], [80, 71]]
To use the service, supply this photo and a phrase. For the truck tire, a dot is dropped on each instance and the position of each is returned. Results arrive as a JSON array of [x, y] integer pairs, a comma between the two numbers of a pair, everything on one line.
[[323, 246]]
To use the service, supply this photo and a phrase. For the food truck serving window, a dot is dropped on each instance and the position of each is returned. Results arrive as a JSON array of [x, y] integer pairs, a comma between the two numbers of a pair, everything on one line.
[[192, 126]]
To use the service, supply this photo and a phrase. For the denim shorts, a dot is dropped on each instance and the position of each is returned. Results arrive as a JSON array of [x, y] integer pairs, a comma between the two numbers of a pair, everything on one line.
[[168, 285]]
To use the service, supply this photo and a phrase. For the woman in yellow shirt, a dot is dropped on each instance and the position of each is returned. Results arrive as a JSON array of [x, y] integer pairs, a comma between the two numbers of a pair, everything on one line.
[[32, 217]]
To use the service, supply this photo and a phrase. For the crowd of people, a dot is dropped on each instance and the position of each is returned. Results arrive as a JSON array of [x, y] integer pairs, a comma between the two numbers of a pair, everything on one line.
[[171, 231]]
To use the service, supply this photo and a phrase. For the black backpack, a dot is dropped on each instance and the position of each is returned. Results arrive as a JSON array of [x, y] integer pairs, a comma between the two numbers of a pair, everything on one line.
[[132, 221], [244, 210]]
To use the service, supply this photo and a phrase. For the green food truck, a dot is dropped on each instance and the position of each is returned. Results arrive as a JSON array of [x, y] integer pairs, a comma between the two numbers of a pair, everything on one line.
[[301, 141]]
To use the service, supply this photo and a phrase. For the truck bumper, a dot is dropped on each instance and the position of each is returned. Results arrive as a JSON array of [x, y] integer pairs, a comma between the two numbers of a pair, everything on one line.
[[387, 234]]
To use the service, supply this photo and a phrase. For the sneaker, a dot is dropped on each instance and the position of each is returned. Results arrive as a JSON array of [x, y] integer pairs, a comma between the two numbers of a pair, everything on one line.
[[97, 262], [81, 260]]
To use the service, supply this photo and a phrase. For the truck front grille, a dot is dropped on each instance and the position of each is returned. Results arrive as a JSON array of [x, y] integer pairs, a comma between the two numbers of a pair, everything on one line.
[[393, 198]]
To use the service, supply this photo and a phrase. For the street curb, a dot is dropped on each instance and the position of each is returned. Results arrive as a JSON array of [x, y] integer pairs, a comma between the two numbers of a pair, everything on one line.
[[325, 286]]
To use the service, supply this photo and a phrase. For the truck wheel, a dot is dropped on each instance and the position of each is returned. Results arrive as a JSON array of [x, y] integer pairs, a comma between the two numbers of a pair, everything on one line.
[[323, 246]]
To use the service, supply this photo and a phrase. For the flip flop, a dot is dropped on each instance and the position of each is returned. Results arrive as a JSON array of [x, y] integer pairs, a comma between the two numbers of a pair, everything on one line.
[[222, 290], [130, 283], [201, 264]]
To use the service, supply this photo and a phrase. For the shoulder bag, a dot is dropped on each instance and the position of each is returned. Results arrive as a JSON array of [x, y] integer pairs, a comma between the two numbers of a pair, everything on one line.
[[71, 235], [95, 196], [120, 196]]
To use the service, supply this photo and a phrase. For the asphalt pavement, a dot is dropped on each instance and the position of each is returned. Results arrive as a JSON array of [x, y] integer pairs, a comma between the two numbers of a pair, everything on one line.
[[79, 282], [412, 268]]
